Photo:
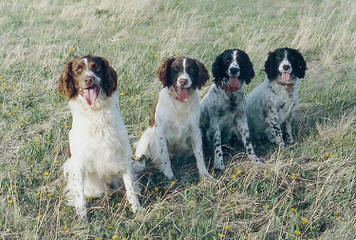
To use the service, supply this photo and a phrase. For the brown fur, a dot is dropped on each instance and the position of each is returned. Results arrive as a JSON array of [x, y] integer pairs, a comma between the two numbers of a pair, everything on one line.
[[66, 85], [152, 121], [203, 74], [163, 71]]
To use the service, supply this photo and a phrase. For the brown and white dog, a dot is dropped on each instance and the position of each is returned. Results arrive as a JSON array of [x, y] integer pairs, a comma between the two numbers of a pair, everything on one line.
[[174, 127], [100, 153]]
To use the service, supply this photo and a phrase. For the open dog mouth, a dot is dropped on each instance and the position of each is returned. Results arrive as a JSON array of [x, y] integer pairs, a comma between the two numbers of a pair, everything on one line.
[[182, 94], [285, 76], [90, 94]]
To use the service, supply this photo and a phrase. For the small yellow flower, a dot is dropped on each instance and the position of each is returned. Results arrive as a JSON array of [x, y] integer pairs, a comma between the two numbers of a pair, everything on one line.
[[265, 207], [109, 226], [65, 228], [238, 172], [296, 232], [56, 162], [338, 218], [46, 173], [3, 84], [66, 126], [37, 140], [44, 159], [173, 182], [14, 171], [131, 99], [122, 94], [38, 194], [17, 107], [123, 238], [227, 228], [154, 94], [220, 235], [191, 202], [96, 238], [71, 50], [52, 94], [133, 156], [39, 217], [265, 172], [234, 176], [293, 210], [156, 189], [342, 190], [47, 68], [337, 213], [9, 114], [118, 204], [89, 197], [27, 119], [10, 202], [114, 237], [1, 77], [49, 195], [292, 176], [331, 155], [14, 186], [22, 146], [304, 220], [21, 124]]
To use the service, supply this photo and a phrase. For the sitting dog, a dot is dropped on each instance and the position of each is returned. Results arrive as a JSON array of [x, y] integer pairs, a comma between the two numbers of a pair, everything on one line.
[[271, 104], [99, 153], [223, 107], [174, 127]]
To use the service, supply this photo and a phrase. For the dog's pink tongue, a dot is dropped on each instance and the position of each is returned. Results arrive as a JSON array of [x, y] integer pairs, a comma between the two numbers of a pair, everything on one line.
[[182, 94], [285, 76], [90, 94], [233, 82]]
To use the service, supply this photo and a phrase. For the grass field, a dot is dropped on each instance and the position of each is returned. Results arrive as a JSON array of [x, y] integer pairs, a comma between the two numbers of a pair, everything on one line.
[[306, 191]]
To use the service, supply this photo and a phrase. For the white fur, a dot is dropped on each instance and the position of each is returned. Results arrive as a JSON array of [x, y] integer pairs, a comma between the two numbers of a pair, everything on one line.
[[271, 104], [100, 152], [176, 130], [186, 76]]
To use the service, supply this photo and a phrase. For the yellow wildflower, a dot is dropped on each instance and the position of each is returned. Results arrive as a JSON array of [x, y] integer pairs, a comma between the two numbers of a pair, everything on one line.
[[56, 162], [37, 140], [114, 237], [122, 94], [17, 107], [156, 189], [154, 94], [296, 232], [3, 84], [234, 176], [27, 119], [293, 210], [39, 217], [46, 173], [9, 114], [304, 220], [109, 226], [238, 172], [292, 176], [38, 194], [1, 77], [89, 197], [331, 155], [65, 228], [71, 50], [342, 190], [131, 99], [220, 235], [227, 228], [133, 156], [14, 186], [191, 202], [96, 238], [52, 94], [123, 238], [173, 182], [118, 204], [21, 124], [338, 218], [265, 207], [10, 201]]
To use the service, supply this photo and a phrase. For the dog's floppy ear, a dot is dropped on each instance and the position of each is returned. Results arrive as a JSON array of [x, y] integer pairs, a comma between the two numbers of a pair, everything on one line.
[[247, 72], [301, 65], [163, 71], [110, 78], [218, 69], [66, 83], [203, 75], [271, 67]]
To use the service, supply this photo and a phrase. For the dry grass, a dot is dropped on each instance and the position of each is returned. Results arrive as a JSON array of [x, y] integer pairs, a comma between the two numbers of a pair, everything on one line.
[[306, 191]]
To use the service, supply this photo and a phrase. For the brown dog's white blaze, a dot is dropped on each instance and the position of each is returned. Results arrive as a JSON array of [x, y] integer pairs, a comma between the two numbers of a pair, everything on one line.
[[87, 76]]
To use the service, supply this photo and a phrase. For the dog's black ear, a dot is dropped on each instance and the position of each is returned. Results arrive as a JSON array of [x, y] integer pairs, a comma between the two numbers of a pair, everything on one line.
[[163, 71], [247, 72], [271, 67], [301, 65], [218, 69]]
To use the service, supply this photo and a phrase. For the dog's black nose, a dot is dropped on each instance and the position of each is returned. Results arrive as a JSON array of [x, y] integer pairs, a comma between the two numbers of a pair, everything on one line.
[[234, 70], [286, 67]]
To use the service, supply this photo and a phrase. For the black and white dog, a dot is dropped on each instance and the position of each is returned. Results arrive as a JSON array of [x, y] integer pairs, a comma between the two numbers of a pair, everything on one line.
[[271, 104], [223, 111]]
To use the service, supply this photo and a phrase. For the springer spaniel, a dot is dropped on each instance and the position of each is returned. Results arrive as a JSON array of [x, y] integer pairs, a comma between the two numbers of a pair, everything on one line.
[[271, 104], [174, 127], [99, 153], [223, 111]]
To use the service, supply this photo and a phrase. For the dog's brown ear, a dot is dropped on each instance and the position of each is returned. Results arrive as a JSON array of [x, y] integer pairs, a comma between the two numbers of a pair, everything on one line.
[[163, 71], [110, 78], [66, 83], [203, 75]]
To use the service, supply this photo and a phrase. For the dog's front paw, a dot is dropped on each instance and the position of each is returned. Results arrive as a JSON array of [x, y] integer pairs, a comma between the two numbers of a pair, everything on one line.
[[205, 176], [82, 213], [219, 165]]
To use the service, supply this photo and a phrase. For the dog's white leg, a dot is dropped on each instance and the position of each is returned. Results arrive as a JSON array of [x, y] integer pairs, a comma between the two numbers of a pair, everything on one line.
[[218, 154], [162, 155], [242, 128], [198, 153], [130, 190], [290, 138], [75, 187], [273, 128]]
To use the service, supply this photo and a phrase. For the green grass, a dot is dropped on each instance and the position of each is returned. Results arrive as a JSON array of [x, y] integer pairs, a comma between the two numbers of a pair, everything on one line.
[[312, 179]]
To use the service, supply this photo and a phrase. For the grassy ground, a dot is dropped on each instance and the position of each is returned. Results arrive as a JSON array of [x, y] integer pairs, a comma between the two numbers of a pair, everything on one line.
[[306, 191]]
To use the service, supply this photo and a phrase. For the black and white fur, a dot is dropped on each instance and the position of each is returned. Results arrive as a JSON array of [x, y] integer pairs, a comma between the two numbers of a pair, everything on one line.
[[271, 104], [223, 111]]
